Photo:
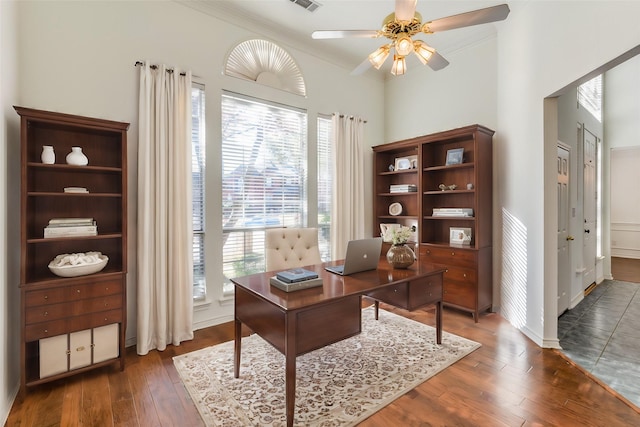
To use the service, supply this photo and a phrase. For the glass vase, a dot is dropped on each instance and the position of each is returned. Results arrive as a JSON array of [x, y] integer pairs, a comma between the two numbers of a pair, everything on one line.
[[400, 256]]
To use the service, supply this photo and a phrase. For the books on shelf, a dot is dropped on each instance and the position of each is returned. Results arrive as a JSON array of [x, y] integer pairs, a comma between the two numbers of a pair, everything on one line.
[[453, 212], [295, 286], [70, 227], [403, 188], [71, 221], [75, 190]]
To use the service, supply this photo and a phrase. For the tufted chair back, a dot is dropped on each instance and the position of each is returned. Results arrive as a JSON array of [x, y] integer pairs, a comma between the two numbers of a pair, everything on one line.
[[291, 248]]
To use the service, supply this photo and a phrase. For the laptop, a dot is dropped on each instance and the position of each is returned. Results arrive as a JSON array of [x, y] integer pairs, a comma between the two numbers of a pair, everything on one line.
[[362, 255]]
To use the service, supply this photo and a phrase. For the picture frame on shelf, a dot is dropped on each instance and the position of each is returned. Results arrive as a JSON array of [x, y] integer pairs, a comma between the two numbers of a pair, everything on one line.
[[454, 156], [402, 163], [459, 236]]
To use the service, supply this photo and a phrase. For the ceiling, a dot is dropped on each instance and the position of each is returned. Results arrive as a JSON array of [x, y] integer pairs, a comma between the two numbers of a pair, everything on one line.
[[278, 18]]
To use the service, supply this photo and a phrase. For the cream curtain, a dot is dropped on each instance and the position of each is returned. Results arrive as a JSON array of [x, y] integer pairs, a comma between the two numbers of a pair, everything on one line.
[[165, 264], [347, 207]]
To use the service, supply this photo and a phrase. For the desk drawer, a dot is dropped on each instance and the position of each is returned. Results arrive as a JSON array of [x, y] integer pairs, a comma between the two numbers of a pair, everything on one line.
[[426, 290], [396, 295]]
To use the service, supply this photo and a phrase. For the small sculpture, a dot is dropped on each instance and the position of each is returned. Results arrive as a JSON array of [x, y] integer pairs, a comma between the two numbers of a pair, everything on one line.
[[447, 187]]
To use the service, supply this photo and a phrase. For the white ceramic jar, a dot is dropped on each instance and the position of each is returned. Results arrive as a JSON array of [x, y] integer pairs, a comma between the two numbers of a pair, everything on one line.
[[48, 156], [76, 157]]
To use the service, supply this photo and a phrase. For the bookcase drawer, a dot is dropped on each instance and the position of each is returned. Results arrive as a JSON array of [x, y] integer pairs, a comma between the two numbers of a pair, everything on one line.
[[48, 329], [72, 293], [457, 256], [45, 313]]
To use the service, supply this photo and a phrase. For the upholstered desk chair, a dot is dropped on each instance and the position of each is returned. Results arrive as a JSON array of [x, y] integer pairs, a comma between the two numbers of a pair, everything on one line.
[[291, 248]]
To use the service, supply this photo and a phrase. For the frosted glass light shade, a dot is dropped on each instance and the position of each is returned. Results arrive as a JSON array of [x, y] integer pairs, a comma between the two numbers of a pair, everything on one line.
[[378, 57], [404, 45], [399, 65], [422, 51]]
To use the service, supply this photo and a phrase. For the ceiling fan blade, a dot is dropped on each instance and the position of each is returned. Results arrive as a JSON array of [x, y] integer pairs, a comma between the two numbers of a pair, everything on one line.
[[437, 62], [480, 16], [405, 9], [364, 66], [340, 34]]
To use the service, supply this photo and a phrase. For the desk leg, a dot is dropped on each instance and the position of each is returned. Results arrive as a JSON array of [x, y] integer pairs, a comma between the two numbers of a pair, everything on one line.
[[439, 322], [237, 347], [290, 348], [377, 308]]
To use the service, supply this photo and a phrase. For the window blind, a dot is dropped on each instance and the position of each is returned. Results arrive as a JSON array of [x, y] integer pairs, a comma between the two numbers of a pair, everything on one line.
[[264, 174], [590, 96], [197, 173], [325, 174]]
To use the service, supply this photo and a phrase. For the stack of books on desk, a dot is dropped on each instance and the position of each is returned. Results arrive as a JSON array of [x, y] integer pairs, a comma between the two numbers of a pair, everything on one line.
[[296, 279], [70, 227], [403, 188], [452, 212]]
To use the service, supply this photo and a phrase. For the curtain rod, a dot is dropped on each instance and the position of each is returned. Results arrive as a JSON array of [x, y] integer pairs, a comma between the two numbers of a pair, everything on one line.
[[155, 67], [350, 117]]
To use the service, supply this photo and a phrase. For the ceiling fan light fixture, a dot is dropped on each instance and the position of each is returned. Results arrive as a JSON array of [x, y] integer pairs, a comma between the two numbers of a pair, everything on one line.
[[399, 65], [404, 45], [422, 51], [378, 57]]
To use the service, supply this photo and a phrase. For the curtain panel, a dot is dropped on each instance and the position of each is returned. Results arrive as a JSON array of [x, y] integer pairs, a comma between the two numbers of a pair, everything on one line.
[[164, 223], [347, 208]]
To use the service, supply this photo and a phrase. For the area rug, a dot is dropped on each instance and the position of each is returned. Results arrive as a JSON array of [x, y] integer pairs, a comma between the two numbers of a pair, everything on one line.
[[339, 385]]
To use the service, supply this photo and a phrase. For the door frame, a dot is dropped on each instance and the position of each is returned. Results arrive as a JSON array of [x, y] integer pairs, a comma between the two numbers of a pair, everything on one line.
[[565, 271]]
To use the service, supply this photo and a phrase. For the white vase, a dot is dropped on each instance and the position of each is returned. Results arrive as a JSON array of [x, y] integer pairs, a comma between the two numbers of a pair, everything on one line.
[[76, 157], [48, 156]]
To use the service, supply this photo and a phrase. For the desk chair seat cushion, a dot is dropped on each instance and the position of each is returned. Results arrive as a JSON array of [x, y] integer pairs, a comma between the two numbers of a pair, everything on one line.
[[291, 248]]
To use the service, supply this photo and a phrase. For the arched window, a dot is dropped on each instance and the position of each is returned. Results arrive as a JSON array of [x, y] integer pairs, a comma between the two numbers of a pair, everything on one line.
[[265, 63]]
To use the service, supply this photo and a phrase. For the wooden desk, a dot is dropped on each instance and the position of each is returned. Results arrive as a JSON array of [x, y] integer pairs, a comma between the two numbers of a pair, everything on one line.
[[301, 321]]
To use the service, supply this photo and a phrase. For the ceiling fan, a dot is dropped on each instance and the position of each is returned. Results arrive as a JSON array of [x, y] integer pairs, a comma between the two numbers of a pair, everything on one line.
[[404, 23]]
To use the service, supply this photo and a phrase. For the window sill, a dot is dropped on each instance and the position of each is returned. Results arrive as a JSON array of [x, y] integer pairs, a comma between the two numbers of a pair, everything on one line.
[[200, 305]]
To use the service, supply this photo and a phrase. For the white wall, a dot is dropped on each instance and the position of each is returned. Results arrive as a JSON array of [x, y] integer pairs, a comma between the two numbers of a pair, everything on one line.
[[625, 202], [78, 58], [424, 101], [542, 48], [9, 202], [622, 134]]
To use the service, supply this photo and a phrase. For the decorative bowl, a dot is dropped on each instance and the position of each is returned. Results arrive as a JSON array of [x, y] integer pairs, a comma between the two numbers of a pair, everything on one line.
[[74, 270]]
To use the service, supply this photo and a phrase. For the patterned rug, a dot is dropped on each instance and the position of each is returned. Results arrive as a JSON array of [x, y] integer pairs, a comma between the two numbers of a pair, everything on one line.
[[339, 385]]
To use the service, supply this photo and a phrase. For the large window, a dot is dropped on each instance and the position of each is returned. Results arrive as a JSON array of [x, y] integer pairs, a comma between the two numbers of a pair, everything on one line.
[[264, 177], [197, 173], [325, 179]]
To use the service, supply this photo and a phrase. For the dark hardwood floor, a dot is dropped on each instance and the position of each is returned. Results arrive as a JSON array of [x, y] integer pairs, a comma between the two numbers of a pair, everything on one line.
[[509, 381], [625, 269]]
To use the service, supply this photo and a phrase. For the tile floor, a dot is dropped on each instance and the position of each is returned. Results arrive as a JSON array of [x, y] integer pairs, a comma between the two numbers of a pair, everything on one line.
[[602, 334]]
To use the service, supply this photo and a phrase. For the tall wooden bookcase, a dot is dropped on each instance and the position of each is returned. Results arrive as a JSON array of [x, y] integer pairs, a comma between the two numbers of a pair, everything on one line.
[[71, 324], [468, 267]]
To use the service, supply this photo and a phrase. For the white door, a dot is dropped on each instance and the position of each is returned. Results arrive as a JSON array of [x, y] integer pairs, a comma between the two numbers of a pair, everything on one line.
[[564, 238], [589, 208]]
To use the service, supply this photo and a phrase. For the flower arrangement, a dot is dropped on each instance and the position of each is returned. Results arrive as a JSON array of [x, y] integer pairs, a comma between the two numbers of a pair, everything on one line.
[[401, 235]]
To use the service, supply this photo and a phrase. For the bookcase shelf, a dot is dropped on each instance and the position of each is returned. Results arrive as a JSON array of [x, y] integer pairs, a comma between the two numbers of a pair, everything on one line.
[[63, 309], [468, 280]]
